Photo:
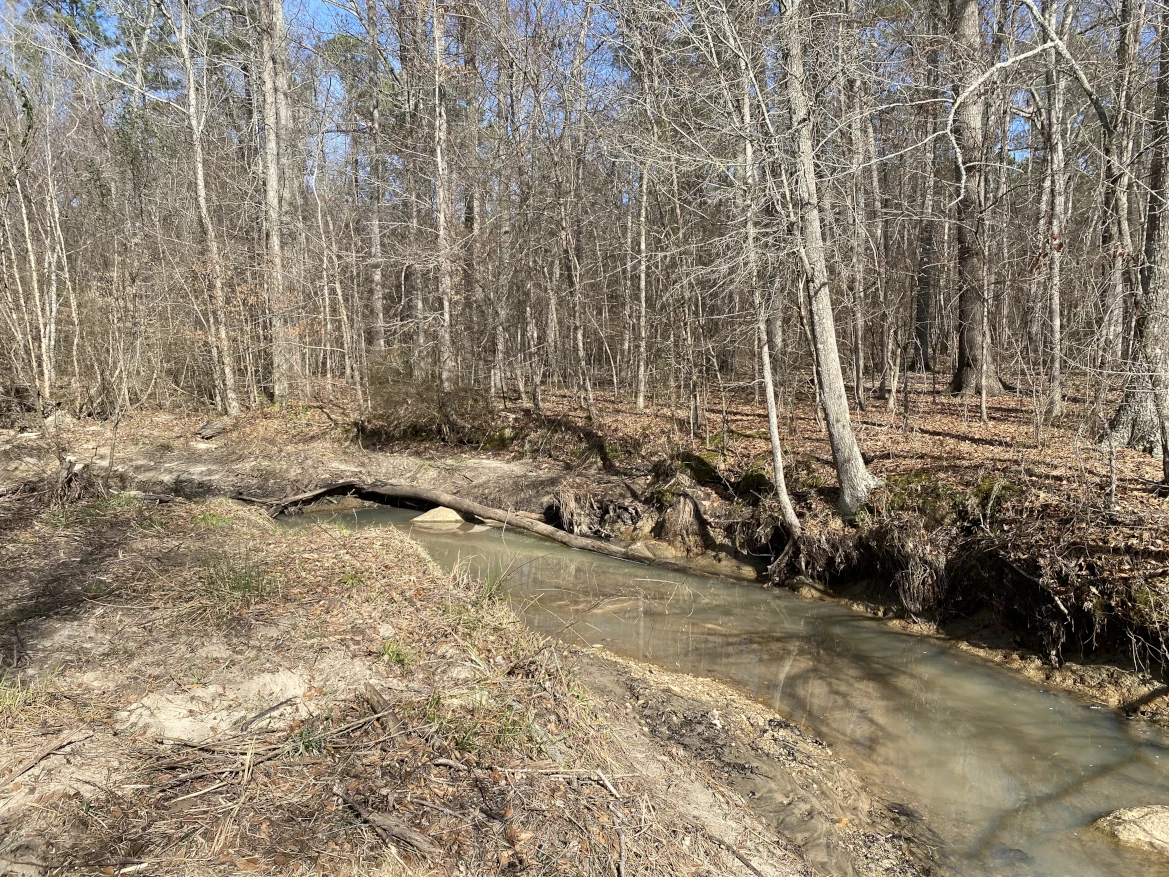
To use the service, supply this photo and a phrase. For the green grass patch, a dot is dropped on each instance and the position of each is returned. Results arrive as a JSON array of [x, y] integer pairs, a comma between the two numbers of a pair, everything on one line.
[[234, 581], [395, 652], [212, 519]]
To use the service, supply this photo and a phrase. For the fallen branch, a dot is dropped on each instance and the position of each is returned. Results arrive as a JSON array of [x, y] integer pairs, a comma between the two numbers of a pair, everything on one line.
[[390, 829], [66, 739], [382, 708]]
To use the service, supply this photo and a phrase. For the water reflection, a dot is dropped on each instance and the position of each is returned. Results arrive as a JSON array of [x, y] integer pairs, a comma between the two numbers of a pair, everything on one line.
[[1010, 775]]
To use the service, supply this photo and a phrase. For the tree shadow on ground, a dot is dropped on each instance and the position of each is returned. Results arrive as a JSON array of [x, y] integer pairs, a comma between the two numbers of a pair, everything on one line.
[[49, 573]]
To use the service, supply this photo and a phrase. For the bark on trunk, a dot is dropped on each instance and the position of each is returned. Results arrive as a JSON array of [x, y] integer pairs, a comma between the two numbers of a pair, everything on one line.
[[222, 343], [446, 355], [376, 195], [1152, 305], [1056, 88], [273, 42], [855, 480], [975, 371]]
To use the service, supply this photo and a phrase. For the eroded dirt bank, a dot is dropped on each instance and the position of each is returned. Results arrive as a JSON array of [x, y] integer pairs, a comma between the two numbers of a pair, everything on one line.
[[189, 689]]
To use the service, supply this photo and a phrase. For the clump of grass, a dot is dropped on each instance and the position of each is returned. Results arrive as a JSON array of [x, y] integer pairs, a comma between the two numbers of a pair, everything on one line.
[[480, 590], [117, 500], [482, 726], [91, 510], [309, 739], [211, 519], [18, 699], [492, 584], [395, 652], [351, 579], [234, 581]]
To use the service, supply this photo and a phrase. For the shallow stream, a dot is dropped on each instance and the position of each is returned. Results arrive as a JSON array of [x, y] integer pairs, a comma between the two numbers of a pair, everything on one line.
[[1008, 774]]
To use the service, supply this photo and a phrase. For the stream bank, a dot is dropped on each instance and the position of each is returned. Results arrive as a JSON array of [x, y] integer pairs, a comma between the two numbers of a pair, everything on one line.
[[194, 690]]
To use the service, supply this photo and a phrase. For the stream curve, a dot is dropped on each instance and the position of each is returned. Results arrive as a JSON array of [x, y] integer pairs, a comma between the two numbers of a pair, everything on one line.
[[1009, 774]]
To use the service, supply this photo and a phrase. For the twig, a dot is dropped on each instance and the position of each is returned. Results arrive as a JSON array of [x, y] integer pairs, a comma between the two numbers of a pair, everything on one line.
[[266, 713], [608, 785], [210, 788], [390, 829], [66, 739], [730, 848], [620, 839], [235, 768]]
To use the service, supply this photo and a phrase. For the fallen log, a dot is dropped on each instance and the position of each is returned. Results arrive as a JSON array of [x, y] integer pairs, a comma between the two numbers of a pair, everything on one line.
[[388, 493]]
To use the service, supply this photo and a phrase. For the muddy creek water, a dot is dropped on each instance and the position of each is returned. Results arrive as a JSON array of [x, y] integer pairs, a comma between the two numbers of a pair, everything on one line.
[[1008, 774]]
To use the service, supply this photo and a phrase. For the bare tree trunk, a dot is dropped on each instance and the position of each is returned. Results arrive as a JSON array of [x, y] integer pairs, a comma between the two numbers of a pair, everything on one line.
[[927, 251], [855, 480], [851, 109], [377, 292], [59, 235], [1115, 235], [749, 196], [446, 355], [927, 256], [972, 375], [1056, 89], [222, 343], [642, 266], [1152, 320], [273, 43], [40, 307]]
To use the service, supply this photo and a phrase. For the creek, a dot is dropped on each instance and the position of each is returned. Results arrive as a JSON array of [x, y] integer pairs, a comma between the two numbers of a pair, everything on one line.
[[1008, 774]]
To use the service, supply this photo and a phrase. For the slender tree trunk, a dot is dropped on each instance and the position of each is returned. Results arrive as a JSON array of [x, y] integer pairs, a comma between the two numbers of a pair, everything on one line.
[[273, 44], [1056, 88], [642, 270], [855, 480], [927, 257], [927, 251], [222, 343], [972, 375], [377, 291], [446, 354]]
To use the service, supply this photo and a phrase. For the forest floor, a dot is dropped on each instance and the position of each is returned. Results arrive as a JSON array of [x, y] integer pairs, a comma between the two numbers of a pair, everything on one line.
[[187, 687]]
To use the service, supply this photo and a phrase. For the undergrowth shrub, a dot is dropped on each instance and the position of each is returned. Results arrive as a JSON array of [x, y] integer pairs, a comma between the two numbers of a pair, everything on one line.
[[405, 408]]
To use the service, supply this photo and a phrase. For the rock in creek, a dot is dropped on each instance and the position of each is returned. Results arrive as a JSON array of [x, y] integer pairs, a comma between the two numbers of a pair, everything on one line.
[[439, 515], [1146, 827]]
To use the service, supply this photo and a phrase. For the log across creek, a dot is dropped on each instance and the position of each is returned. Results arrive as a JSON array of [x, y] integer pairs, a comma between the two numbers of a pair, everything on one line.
[[387, 493]]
